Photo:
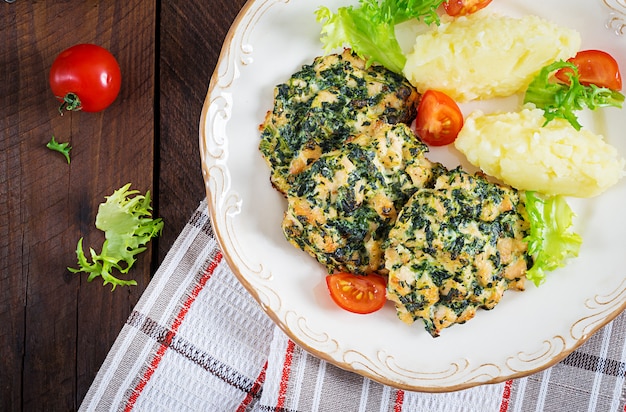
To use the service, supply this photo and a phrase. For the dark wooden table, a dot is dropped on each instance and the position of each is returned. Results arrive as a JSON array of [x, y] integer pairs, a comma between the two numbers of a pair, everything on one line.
[[55, 327]]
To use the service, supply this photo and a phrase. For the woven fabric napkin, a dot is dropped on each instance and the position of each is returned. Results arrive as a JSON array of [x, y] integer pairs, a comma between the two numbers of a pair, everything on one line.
[[197, 341]]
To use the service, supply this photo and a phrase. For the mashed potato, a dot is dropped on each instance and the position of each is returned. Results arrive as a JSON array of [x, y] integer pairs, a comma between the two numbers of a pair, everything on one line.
[[485, 55], [552, 159]]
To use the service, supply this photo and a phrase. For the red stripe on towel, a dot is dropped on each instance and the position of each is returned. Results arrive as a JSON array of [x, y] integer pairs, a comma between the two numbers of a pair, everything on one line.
[[506, 396], [397, 407], [178, 320], [256, 388], [284, 379]]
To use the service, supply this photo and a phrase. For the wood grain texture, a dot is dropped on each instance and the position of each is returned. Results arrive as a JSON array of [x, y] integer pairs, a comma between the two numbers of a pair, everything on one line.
[[57, 328], [191, 36]]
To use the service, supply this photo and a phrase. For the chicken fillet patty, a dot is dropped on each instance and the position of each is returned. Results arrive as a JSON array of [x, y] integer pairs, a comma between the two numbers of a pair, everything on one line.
[[455, 248], [326, 103], [342, 207]]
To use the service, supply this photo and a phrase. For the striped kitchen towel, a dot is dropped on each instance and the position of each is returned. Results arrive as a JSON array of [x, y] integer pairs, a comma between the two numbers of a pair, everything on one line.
[[197, 341]]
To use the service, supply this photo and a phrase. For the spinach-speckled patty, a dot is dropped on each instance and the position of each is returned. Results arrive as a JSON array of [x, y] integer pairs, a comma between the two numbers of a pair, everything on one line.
[[326, 103], [455, 248], [341, 208]]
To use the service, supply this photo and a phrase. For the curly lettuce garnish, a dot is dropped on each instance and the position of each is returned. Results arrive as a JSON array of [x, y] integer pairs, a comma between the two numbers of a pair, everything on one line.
[[551, 240], [128, 226], [369, 29], [560, 100]]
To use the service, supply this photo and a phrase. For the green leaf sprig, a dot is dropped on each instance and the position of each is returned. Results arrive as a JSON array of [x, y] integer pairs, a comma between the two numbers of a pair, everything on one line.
[[560, 100], [63, 148]]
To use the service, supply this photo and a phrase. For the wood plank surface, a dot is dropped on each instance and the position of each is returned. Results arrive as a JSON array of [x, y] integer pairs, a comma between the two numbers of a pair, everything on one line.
[[191, 37], [56, 327]]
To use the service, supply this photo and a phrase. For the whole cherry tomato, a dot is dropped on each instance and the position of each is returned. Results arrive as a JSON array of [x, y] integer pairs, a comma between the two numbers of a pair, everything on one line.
[[85, 77]]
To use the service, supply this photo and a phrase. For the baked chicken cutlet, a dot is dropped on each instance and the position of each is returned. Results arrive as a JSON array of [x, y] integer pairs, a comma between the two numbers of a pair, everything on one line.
[[341, 208], [455, 248], [323, 105]]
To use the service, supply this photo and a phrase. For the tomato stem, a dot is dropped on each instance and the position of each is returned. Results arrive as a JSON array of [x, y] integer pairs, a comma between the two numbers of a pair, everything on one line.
[[71, 102]]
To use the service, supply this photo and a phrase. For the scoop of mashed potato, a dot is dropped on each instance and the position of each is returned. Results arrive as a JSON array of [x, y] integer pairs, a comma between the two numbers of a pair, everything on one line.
[[486, 55], [552, 159]]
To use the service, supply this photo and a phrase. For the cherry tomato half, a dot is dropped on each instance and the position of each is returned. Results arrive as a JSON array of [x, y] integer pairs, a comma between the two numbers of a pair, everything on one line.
[[357, 293], [439, 119], [594, 67], [464, 7], [85, 77]]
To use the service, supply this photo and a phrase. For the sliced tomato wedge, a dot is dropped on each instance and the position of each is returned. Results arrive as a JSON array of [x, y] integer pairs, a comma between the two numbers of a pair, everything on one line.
[[357, 293], [439, 119], [594, 67], [464, 7]]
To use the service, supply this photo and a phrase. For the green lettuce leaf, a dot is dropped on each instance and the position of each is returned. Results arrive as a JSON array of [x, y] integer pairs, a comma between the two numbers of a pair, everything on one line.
[[551, 240], [369, 29], [128, 226], [559, 100]]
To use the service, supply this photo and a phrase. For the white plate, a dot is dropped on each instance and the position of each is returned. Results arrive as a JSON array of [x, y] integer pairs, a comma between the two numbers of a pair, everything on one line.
[[526, 332]]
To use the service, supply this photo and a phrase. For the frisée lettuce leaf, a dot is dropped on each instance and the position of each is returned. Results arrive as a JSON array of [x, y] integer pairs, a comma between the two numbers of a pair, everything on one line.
[[560, 100], [128, 226], [369, 29], [551, 240]]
